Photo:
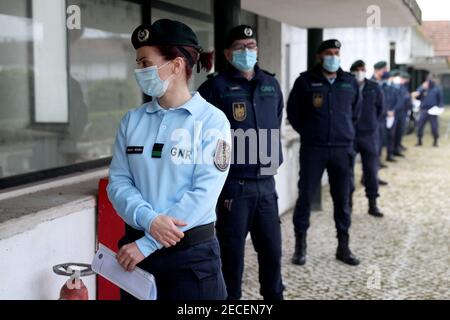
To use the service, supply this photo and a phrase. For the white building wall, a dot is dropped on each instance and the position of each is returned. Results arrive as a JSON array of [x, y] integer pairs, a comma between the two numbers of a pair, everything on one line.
[[373, 45], [27, 258]]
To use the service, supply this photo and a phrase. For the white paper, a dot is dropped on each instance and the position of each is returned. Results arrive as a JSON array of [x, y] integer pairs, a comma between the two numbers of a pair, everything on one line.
[[138, 283], [436, 111], [390, 122]]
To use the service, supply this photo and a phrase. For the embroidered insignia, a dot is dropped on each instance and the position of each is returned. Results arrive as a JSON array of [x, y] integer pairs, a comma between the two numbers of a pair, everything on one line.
[[239, 111]]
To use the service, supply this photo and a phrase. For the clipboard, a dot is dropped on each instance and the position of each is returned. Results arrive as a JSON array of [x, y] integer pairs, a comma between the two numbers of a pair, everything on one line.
[[139, 283]]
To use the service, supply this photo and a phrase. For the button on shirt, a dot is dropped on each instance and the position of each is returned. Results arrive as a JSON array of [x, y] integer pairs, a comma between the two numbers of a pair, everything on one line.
[[164, 164]]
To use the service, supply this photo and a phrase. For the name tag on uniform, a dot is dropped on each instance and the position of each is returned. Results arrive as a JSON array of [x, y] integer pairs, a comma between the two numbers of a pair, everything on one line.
[[135, 150], [157, 151], [317, 85]]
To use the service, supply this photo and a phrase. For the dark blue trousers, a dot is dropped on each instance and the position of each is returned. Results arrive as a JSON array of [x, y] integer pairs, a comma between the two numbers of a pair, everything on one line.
[[424, 117], [250, 206], [400, 129], [390, 138], [382, 137], [192, 273], [313, 161], [367, 146]]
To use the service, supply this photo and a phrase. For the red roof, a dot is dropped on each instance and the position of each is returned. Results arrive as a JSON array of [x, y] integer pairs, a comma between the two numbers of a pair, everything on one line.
[[439, 33]]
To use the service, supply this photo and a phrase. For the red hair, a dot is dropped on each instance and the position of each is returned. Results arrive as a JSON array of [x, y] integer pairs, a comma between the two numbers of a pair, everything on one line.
[[192, 56]]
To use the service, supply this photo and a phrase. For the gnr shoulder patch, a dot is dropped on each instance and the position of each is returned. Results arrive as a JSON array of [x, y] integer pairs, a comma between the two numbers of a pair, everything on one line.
[[222, 156]]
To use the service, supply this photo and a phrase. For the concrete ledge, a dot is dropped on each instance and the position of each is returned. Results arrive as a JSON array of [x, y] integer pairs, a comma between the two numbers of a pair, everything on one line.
[[25, 212]]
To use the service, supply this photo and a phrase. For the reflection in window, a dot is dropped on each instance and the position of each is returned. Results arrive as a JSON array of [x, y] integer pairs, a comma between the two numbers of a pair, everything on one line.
[[205, 34], [63, 92]]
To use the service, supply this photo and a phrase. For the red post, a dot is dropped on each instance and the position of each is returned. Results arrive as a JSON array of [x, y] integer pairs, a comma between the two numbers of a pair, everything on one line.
[[111, 229]]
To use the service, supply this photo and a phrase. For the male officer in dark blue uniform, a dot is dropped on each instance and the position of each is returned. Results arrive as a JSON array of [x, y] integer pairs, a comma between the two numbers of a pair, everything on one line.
[[381, 75], [252, 100], [430, 96], [402, 83], [324, 107], [394, 105], [367, 134]]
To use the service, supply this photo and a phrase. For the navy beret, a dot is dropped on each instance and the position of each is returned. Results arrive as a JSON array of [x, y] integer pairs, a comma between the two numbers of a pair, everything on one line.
[[164, 32], [380, 65], [357, 64], [329, 44], [239, 33]]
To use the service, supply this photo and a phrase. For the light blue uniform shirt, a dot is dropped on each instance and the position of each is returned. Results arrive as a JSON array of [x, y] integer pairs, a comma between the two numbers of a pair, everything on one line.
[[185, 182]]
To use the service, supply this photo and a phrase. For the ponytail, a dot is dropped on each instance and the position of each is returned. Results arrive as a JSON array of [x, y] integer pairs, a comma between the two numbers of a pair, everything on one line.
[[205, 61]]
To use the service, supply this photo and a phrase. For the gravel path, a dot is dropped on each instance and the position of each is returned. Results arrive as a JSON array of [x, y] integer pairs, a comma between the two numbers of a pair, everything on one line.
[[405, 255]]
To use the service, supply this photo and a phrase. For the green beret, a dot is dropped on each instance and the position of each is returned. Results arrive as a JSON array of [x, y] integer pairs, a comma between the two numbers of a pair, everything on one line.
[[357, 64], [329, 44], [239, 33], [405, 75], [380, 65], [164, 32], [396, 73]]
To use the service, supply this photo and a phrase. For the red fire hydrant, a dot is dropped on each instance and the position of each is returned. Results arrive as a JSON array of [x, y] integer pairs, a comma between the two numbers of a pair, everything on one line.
[[74, 288]]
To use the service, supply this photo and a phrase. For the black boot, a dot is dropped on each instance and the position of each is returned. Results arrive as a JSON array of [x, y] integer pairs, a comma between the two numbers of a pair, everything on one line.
[[343, 252], [435, 142], [373, 208], [382, 183], [390, 158], [299, 257], [419, 142], [350, 201]]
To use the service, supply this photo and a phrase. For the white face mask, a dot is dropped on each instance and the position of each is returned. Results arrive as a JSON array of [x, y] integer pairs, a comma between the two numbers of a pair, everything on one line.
[[360, 76], [150, 82], [397, 80]]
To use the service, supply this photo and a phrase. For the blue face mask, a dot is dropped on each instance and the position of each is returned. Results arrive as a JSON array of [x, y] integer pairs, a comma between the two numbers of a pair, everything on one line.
[[331, 63], [244, 60], [150, 82]]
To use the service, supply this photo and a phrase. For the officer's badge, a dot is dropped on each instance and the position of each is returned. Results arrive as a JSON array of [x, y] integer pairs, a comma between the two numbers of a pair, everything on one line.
[[222, 156], [248, 32], [239, 111], [143, 35], [317, 100], [337, 44]]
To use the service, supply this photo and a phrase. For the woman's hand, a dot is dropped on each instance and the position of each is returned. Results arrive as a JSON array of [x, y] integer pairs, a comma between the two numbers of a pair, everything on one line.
[[165, 230], [129, 256]]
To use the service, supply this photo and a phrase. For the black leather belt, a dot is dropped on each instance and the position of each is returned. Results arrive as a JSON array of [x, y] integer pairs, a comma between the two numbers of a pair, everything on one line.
[[195, 236], [191, 238]]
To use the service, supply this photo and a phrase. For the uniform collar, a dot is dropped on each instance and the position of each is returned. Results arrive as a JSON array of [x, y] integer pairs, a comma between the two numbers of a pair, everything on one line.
[[192, 106], [317, 71], [235, 73]]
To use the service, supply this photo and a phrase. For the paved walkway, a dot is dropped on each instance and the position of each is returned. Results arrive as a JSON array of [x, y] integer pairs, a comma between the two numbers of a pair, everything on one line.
[[405, 255]]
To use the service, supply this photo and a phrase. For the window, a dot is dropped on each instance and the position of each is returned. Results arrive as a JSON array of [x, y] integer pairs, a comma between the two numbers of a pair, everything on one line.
[[200, 21], [63, 92]]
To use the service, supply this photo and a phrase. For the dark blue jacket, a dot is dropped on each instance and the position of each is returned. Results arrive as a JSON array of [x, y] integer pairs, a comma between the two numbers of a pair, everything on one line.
[[431, 97], [373, 108], [393, 98], [325, 114], [257, 104], [407, 98]]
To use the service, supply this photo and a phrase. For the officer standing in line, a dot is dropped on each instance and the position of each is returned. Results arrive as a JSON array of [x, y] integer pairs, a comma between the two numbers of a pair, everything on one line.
[[171, 160], [394, 104], [381, 75], [430, 95], [402, 117], [401, 114], [367, 134], [253, 102], [324, 107]]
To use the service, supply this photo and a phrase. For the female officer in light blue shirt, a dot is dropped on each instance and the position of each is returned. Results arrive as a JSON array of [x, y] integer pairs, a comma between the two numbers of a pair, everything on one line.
[[171, 160]]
